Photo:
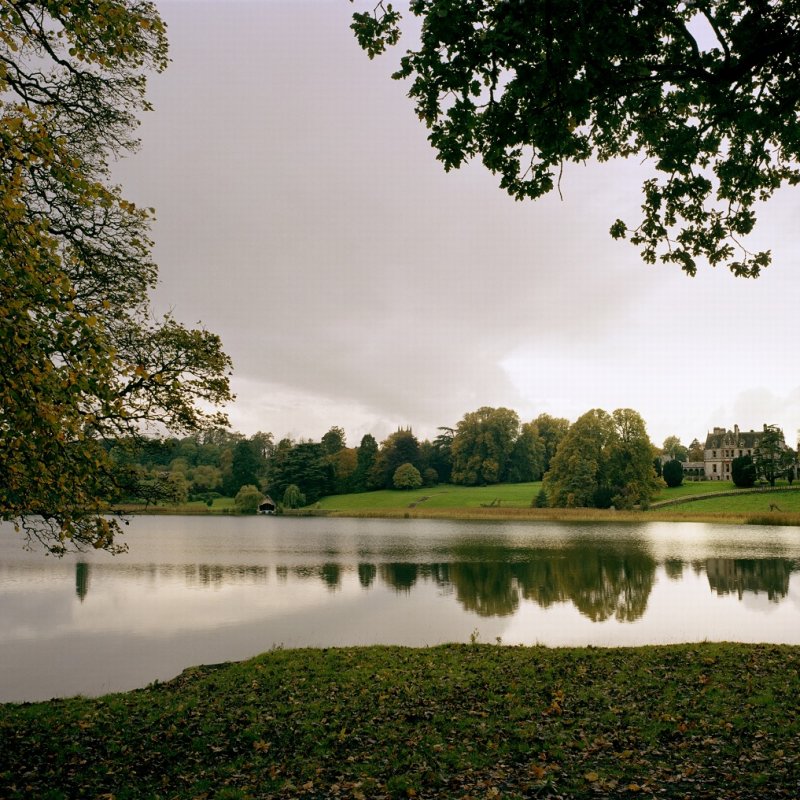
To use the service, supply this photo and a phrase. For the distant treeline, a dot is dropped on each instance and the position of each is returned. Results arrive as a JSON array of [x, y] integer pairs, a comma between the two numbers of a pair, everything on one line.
[[600, 460], [488, 446]]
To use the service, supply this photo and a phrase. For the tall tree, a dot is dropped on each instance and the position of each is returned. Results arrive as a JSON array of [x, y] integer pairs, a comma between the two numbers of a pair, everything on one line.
[[366, 454], [246, 467], [442, 455], [529, 86], [82, 361], [551, 431], [399, 448], [333, 441], [770, 459], [526, 462], [696, 452], [482, 446], [673, 448], [603, 460], [343, 464], [306, 466], [632, 477], [578, 474], [264, 444]]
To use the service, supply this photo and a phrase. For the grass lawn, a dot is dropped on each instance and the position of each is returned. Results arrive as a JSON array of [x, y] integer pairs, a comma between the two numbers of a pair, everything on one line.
[[509, 495], [689, 488], [788, 501], [513, 501], [220, 505], [457, 721]]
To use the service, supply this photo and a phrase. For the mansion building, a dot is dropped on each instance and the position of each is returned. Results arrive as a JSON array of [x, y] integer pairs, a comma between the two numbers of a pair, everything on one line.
[[721, 447]]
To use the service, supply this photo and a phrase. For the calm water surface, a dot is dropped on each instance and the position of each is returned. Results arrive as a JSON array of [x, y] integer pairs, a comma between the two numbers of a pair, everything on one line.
[[203, 590]]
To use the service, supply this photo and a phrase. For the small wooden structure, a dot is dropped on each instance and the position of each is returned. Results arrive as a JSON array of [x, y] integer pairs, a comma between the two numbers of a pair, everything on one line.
[[267, 506]]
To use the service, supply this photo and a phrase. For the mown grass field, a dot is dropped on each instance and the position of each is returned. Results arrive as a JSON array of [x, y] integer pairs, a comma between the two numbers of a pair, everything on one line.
[[220, 505], [514, 501], [509, 495], [456, 721], [786, 501], [690, 488]]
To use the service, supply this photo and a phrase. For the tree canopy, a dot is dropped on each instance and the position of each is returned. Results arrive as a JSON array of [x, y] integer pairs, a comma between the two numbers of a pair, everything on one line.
[[772, 457], [82, 359], [673, 448], [483, 444], [706, 93], [604, 459]]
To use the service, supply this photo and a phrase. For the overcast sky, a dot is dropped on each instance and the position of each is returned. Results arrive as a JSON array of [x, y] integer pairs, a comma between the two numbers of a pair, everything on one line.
[[302, 215]]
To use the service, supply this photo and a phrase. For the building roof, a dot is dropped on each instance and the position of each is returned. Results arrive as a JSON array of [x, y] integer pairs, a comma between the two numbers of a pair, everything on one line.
[[720, 438]]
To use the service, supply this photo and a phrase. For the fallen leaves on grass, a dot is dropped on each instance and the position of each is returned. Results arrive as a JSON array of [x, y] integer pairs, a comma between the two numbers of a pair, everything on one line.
[[478, 721]]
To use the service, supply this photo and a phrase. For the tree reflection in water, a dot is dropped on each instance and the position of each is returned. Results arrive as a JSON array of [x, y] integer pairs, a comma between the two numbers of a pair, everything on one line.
[[602, 580], [81, 580], [366, 574]]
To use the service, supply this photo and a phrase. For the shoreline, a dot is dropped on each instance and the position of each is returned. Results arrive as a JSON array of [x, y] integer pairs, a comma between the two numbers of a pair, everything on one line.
[[506, 513]]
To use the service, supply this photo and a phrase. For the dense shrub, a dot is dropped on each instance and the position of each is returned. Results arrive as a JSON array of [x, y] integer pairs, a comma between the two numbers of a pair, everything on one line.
[[672, 472], [293, 497], [407, 476], [247, 499], [743, 472], [430, 476]]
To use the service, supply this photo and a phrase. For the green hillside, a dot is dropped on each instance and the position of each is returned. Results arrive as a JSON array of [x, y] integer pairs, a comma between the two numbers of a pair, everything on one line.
[[508, 495]]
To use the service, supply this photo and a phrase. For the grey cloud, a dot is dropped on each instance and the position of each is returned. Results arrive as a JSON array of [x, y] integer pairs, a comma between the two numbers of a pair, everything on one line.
[[303, 216]]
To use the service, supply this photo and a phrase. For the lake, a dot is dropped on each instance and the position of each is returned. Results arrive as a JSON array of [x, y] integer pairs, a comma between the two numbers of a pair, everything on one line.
[[205, 589]]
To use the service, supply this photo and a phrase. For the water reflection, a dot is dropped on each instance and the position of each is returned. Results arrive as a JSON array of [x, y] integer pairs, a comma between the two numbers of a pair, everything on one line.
[[740, 575], [81, 580], [601, 583], [205, 590], [366, 574]]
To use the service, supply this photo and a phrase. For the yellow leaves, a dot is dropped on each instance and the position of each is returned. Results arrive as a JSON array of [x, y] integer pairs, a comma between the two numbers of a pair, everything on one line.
[[9, 40], [539, 771], [555, 704], [261, 746], [592, 777]]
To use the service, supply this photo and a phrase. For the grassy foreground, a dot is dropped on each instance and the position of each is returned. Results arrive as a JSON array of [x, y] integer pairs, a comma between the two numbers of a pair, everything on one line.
[[457, 721]]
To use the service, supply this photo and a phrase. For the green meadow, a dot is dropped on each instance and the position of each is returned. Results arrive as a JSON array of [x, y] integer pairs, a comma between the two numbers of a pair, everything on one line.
[[509, 495], [787, 501], [516, 501]]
